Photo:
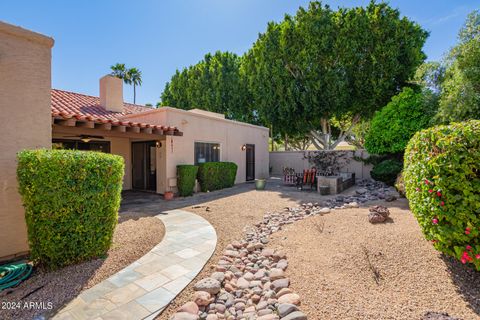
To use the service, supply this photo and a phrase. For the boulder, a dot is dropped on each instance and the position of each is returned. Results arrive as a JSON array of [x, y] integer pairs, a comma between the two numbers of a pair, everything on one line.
[[209, 285]]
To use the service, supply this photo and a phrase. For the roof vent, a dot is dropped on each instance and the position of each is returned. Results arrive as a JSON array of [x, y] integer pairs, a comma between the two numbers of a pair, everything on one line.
[[111, 93]]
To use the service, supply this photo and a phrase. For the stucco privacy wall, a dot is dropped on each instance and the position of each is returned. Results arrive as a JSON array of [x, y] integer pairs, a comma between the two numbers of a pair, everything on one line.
[[25, 82], [295, 160], [231, 135]]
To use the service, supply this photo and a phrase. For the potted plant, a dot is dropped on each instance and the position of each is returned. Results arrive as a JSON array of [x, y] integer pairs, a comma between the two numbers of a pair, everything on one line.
[[168, 195], [260, 184]]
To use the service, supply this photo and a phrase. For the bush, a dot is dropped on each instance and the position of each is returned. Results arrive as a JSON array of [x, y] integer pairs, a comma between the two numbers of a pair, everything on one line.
[[442, 179], [71, 201], [187, 174], [393, 126], [216, 175], [386, 171]]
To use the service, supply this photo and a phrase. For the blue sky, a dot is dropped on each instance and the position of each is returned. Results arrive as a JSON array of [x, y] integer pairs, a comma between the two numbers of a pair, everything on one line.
[[160, 36]]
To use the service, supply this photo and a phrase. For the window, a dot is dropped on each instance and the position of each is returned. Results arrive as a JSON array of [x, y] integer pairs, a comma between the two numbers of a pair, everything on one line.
[[102, 146], [206, 152]]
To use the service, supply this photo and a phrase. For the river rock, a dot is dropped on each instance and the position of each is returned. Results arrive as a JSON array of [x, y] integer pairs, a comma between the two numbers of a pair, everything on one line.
[[209, 285]]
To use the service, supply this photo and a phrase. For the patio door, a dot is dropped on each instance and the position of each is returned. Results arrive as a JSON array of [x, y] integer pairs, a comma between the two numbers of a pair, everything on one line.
[[144, 166], [250, 151]]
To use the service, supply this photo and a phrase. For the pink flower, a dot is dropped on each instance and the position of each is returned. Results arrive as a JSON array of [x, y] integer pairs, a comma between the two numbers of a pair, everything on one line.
[[442, 204], [426, 181], [430, 191], [477, 256], [439, 193], [418, 189], [435, 221], [467, 231], [468, 247], [463, 260]]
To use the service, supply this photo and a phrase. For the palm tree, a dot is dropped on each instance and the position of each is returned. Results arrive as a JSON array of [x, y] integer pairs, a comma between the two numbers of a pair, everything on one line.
[[134, 77], [119, 71]]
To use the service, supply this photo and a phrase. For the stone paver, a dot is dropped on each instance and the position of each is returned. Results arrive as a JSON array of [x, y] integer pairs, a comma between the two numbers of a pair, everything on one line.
[[143, 289]]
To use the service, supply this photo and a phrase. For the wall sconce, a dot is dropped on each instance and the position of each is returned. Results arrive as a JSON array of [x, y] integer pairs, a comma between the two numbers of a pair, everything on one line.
[[244, 147], [158, 144]]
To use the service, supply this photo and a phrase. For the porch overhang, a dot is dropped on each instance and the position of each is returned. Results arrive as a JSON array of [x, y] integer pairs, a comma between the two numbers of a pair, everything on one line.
[[83, 121]]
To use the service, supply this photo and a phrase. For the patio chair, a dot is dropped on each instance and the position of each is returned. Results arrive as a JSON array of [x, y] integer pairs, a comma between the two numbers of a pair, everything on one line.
[[309, 178]]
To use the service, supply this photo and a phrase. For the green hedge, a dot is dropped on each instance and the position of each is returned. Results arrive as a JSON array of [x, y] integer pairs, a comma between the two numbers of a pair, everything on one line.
[[386, 171], [392, 127], [442, 179], [71, 201], [186, 174], [216, 175]]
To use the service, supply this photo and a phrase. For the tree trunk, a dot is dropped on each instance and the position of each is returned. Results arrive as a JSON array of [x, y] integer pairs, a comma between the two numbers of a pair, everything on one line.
[[134, 94]]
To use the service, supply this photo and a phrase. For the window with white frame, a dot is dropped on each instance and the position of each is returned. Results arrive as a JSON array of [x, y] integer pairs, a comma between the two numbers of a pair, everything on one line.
[[206, 152]]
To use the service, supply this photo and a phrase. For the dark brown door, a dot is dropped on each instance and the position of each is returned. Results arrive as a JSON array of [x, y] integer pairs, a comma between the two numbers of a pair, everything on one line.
[[144, 166], [250, 162]]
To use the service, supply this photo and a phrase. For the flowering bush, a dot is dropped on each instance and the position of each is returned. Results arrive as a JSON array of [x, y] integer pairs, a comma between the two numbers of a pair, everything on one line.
[[442, 179]]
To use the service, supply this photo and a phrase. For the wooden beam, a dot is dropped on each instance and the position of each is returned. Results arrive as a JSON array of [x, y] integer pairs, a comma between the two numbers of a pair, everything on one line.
[[146, 130], [86, 124], [158, 131], [120, 128], [104, 126], [133, 129], [68, 123]]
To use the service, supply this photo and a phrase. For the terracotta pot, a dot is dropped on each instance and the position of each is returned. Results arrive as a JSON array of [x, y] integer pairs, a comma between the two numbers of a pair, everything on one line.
[[168, 195]]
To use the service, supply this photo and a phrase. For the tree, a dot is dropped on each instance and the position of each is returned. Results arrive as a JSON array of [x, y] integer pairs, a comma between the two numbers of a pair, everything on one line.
[[321, 65], [135, 78], [392, 127], [460, 95], [213, 84], [129, 76], [119, 70]]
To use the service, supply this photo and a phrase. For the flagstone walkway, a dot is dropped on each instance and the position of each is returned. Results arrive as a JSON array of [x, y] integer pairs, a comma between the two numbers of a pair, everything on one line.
[[144, 288]]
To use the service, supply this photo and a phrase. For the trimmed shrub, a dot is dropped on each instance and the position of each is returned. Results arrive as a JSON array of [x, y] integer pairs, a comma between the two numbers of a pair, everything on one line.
[[216, 175], [393, 126], [442, 179], [386, 171], [187, 173], [71, 201]]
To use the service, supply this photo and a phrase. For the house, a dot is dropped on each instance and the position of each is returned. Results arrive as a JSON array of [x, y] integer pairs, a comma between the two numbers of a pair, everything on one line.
[[154, 141], [151, 141]]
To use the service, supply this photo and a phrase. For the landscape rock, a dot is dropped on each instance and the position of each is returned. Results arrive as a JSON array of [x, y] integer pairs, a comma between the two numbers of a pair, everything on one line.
[[286, 308], [202, 298], [296, 315], [209, 285]]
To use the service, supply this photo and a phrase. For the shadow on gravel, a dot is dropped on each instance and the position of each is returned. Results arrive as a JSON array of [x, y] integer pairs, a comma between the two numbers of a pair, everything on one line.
[[466, 280]]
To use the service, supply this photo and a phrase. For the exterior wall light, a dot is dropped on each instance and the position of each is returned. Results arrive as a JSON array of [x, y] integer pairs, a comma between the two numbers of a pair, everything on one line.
[[158, 144], [244, 147]]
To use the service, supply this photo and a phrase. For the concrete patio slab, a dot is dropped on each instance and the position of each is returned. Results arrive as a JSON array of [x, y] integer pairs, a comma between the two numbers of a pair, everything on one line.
[[144, 288]]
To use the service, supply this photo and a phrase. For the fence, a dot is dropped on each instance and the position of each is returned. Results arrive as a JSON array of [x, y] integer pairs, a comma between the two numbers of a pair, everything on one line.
[[297, 161]]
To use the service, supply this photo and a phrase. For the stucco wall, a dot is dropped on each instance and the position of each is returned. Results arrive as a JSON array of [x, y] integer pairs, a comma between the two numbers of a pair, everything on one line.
[[25, 82], [230, 135], [295, 160]]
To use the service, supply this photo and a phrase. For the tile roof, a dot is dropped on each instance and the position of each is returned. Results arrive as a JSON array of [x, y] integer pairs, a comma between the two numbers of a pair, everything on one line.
[[66, 105]]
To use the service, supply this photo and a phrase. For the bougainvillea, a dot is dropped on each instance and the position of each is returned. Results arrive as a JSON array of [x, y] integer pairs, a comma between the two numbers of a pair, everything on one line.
[[442, 179]]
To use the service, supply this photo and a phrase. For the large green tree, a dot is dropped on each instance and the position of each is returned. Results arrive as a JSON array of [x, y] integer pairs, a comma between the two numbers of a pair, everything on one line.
[[213, 84], [322, 65], [460, 95]]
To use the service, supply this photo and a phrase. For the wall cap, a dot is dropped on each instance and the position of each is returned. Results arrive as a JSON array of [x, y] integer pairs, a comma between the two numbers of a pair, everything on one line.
[[26, 34]]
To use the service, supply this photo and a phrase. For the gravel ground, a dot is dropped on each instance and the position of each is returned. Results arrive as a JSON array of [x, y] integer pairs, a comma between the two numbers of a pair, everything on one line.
[[329, 268], [229, 216], [59, 287]]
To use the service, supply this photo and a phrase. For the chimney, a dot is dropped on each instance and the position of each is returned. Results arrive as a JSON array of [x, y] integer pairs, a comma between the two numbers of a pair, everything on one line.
[[111, 93]]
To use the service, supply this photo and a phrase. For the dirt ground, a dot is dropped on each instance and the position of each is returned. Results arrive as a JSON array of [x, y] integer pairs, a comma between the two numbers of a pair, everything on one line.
[[61, 286], [346, 268], [229, 215]]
